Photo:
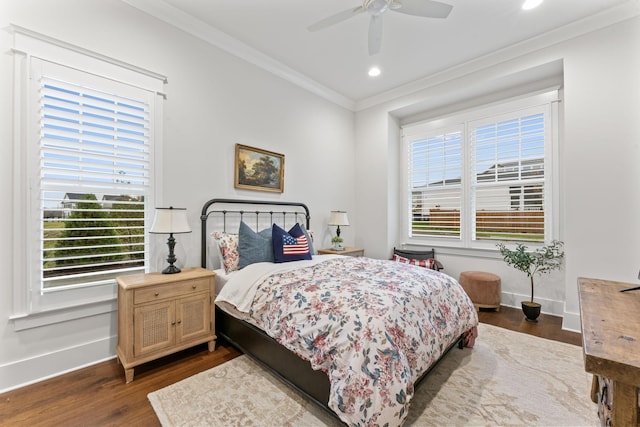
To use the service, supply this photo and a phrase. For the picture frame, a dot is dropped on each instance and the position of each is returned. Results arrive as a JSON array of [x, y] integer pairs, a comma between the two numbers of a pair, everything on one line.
[[258, 169]]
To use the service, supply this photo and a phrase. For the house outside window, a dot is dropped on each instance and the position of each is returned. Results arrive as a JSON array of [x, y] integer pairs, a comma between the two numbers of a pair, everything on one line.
[[482, 176]]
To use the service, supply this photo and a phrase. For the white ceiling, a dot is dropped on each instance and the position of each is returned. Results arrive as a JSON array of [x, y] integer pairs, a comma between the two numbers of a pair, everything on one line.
[[273, 34]]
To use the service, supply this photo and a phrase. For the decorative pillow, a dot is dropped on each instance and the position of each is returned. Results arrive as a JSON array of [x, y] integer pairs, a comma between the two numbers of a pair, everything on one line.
[[228, 246], [426, 263], [290, 246], [254, 247]]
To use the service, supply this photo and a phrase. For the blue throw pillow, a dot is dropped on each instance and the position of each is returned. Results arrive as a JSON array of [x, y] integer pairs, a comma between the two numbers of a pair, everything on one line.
[[290, 246], [254, 247]]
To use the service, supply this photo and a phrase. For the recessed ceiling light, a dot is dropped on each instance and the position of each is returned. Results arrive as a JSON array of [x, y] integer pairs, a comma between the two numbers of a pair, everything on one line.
[[374, 72], [531, 4]]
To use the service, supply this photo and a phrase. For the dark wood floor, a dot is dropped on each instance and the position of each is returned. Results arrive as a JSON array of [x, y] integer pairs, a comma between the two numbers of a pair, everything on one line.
[[549, 327], [98, 396]]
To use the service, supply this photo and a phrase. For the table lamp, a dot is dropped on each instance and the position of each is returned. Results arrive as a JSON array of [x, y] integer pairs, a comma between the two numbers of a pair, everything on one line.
[[338, 218], [170, 221]]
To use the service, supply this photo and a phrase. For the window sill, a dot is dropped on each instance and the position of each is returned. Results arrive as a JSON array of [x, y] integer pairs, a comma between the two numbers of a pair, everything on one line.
[[49, 317]]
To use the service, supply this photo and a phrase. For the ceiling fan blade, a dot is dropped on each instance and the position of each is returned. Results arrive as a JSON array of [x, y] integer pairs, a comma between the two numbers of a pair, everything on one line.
[[375, 34], [425, 8], [335, 19]]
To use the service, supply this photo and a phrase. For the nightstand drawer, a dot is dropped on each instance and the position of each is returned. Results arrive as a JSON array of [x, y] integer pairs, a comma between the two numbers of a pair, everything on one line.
[[170, 290]]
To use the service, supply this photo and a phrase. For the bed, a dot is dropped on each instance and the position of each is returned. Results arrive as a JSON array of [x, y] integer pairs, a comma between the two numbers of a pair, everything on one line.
[[356, 343]]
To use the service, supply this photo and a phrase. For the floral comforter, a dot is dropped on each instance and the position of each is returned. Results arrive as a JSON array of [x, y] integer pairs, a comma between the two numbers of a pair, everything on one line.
[[373, 326]]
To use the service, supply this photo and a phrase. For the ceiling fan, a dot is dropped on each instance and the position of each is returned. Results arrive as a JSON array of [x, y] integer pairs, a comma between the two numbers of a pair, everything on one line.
[[375, 8]]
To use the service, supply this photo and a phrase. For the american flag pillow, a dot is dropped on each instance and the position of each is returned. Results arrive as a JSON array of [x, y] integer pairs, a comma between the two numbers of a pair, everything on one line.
[[290, 246]]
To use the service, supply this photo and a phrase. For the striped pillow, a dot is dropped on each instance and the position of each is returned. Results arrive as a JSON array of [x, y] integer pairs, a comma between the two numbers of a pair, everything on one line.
[[426, 263]]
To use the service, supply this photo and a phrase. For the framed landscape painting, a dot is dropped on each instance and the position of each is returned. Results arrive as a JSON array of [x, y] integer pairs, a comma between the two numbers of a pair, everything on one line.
[[258, 169]]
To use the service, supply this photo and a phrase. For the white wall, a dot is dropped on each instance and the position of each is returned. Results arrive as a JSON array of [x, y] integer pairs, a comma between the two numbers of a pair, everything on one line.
[[599, 182], [214, 100]]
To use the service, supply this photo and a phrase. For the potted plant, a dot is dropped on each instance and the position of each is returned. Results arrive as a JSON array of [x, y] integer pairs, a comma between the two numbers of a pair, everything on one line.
[[336, 241], [542, 260]]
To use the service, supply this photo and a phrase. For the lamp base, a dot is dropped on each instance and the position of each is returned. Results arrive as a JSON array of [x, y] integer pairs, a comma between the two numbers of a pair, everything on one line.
[[172, 269]]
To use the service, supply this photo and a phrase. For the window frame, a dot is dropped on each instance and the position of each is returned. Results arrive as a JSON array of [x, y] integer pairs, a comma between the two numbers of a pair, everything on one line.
[[31, 307], [549, 97]]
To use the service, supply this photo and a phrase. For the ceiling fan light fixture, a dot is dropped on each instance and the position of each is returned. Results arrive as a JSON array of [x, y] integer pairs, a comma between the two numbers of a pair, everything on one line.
[[374, 71], [531, 4], [375, 8]]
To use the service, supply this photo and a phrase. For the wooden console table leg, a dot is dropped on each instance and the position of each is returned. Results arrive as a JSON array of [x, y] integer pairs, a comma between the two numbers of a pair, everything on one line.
[[625, 404], [212, 345], [595, 388]]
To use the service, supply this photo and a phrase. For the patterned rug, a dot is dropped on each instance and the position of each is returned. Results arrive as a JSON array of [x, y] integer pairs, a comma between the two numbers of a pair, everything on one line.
[[507, 379]]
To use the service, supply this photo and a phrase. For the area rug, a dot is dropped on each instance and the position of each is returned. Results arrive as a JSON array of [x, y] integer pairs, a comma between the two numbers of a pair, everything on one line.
[[507, 379]]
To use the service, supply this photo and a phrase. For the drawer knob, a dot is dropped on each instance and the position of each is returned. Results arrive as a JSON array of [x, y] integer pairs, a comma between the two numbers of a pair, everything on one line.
[[179, 321], [193, 286], [157, 293]]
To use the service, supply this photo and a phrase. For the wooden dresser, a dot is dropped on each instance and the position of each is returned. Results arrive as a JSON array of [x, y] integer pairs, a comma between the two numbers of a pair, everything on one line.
[[611, 344], [159, 314]]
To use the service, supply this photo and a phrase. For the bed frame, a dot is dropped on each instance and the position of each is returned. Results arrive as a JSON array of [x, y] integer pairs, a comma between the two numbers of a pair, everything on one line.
[[252, 341]]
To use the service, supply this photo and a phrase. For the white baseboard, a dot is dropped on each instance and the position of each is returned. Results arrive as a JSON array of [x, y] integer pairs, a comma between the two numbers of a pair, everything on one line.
[[549, 306], [34, 369], [571, 322]]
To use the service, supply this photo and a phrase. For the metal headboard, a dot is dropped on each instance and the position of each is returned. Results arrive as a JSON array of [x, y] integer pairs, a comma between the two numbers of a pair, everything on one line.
[[204, 216]]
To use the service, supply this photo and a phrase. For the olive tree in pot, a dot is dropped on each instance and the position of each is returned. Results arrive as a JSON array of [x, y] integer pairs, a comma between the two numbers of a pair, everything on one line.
[[542, 260]]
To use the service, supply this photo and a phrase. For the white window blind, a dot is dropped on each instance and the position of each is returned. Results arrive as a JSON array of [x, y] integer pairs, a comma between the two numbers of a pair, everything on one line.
[[435, 184], [508, 177], [94, 156]]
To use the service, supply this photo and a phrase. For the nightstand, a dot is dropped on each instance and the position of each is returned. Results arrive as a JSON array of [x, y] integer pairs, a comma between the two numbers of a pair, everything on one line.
[[159, 314], [348, 251]]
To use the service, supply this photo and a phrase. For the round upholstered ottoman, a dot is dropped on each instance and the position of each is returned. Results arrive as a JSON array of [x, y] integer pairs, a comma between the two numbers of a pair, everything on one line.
[[483, 288]]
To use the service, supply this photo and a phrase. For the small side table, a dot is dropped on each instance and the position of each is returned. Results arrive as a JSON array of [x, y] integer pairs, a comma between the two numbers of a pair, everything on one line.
[[160, 314], [348, 251]]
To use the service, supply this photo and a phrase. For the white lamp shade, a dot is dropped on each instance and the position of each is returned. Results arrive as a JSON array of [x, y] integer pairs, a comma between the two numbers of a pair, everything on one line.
[[338, 218], [170, 220]]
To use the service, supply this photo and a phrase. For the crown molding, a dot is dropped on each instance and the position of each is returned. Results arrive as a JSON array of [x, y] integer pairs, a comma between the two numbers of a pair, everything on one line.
[[197, 28]]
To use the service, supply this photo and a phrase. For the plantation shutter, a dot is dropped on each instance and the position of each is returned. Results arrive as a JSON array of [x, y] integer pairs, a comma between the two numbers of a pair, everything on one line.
[[508, 177], [94, 183], [435, 187]]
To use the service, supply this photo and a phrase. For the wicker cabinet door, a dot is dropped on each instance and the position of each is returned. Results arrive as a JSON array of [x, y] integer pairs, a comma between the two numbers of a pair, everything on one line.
[[154, 327], [193, 317]]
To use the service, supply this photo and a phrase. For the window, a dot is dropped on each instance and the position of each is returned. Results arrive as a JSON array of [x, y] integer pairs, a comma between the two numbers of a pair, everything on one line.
[[483, 175], [91, 127]]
